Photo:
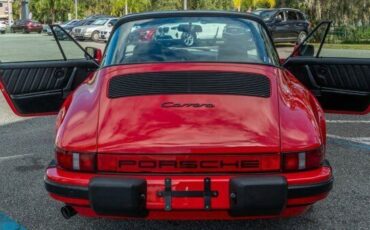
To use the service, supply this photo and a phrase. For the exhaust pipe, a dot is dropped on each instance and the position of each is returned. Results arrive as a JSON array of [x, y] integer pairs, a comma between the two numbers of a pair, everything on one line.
[[67, 212]]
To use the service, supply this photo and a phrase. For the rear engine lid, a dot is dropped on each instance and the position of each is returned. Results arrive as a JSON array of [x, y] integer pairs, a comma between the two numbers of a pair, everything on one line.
[[153, 110]]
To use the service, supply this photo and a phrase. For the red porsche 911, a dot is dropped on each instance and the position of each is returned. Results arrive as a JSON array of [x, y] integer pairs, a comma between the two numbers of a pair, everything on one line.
[[157, 129]]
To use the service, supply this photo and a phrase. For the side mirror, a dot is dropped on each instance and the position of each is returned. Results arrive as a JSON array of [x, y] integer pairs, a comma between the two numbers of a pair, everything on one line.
[[97, 54], [110, 24]]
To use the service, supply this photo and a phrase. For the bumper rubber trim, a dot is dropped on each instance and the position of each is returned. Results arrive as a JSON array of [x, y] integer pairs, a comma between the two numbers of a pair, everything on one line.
[[294, 191], [70, 191], [297, 191]]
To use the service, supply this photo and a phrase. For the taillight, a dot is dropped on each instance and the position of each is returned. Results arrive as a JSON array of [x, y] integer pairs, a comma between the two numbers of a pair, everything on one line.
[[84, 162], [303, 160]]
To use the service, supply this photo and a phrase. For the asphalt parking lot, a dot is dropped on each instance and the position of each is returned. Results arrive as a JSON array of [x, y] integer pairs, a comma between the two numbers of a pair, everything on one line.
[[26, 147]]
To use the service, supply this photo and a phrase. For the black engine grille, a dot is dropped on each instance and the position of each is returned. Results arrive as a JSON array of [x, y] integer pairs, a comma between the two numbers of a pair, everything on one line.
[[189, 83]]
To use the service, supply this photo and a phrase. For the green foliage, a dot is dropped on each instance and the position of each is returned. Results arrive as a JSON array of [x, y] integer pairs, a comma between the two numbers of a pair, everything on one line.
[[158, 5], [210, 5], [265, 3], [51, 10], [344, 12]]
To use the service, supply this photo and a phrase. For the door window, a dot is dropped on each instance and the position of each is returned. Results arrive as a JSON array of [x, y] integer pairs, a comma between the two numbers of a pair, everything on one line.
[[69, 47], [313, 44], [32, 47], [280, 16], [292, 16]]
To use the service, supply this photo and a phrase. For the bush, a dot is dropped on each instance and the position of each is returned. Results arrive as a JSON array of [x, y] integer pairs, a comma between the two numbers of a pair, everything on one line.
[[349, 35]]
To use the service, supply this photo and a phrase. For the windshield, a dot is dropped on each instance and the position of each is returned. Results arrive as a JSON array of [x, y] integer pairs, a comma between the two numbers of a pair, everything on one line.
[[265, 14], [100, 22], [190, 39]]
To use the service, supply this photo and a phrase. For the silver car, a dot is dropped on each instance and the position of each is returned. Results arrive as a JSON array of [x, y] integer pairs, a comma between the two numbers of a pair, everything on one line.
[[2, 27], [92, 31]]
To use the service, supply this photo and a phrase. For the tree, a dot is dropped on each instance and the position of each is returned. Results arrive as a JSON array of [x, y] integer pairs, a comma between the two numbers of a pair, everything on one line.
[[167, 5], [210, 5], [133, 6], [237, 4], [264, 3], [51, 10]]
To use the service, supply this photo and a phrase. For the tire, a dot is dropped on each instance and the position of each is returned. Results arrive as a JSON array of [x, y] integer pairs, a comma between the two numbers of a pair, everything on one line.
[[301, 37], [12, 30], [188, 39], [95, 36]]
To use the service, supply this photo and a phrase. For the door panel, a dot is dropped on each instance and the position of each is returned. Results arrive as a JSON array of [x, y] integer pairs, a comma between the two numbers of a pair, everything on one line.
[[41, 87], [340, 84]]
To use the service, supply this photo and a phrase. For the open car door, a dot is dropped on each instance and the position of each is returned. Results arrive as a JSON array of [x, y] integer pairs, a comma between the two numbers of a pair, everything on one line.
[[339, 78], [37, 72]]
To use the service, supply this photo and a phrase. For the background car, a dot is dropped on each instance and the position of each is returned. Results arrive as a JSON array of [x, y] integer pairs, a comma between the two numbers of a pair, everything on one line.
[[92, 31], [66, 26], [285, 24], [26, 26], [187, 34], [2, 27]]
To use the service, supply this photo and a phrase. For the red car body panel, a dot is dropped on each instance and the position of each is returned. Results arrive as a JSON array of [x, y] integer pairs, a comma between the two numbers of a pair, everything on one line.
[[144, 126], [140, 124], [237, 127]]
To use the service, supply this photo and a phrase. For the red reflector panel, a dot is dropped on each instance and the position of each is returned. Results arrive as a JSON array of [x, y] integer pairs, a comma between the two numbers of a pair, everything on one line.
[[85, 162], [303, 160], [188, 163], [64, 159]]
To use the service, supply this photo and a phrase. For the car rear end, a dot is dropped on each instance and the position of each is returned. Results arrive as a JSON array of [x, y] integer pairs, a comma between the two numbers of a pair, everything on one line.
[[33, 26], [174, 132], [188, 156]]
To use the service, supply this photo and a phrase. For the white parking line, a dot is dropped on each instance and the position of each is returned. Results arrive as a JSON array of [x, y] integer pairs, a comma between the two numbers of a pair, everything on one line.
[[361, 140], [349, 121], [14, 157]]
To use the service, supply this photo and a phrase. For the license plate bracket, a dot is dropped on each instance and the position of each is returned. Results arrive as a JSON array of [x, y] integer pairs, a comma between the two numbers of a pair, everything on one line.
[[168, 194]]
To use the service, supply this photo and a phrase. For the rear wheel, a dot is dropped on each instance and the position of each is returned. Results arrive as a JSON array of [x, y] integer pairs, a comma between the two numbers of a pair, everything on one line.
[[95, 36]]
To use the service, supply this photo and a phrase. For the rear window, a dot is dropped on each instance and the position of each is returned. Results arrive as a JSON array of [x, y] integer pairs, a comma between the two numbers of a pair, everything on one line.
[[190, 39]]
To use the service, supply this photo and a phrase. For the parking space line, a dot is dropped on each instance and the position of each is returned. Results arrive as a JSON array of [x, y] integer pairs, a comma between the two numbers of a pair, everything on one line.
[[14, 157], [348, 121], [362, 142]]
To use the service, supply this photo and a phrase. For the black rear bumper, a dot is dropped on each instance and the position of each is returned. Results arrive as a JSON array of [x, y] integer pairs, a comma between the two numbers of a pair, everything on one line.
[[250, 195]]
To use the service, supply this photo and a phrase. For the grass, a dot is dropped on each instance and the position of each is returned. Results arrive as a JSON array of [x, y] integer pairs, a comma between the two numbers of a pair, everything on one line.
[[348, 46]]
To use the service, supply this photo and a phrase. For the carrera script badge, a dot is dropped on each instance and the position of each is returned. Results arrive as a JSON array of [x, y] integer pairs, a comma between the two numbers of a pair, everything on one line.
[[169, 105]]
